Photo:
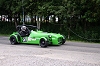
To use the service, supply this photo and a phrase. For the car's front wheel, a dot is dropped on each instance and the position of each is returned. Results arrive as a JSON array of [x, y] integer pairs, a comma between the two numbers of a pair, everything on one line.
[[63, 41], [43, 43], [13, 40]]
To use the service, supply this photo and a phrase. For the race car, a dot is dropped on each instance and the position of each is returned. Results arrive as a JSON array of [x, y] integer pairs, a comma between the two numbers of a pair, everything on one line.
[[29, 34]]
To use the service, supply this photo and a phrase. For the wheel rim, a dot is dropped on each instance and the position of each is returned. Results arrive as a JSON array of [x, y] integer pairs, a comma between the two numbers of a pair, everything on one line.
[[43, 42]]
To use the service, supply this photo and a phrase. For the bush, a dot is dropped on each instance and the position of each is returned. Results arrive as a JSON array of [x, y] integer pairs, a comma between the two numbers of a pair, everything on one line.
[[79, 34]]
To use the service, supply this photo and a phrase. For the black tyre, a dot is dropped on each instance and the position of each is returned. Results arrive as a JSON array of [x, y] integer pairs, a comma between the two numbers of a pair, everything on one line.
[[43, 43], [63, 41], [13, 40]]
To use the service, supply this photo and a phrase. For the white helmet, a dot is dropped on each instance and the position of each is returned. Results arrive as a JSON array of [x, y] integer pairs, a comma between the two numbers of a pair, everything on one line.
[[23, 28]]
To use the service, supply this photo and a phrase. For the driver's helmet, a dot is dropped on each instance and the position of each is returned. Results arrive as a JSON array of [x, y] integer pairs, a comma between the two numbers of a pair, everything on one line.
[[23, 28]]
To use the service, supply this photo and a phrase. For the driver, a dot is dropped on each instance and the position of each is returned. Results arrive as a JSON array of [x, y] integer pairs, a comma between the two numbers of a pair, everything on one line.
[[24, 31], [23, 28]]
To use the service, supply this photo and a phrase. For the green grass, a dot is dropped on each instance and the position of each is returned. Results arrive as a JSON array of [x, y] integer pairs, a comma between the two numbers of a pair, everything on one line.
[[5, 35]]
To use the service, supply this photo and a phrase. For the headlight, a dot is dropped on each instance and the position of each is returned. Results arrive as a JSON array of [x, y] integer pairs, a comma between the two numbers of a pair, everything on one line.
[[49, 36]]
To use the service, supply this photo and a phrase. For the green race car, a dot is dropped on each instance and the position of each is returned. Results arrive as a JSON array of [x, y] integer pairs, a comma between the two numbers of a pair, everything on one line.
[[31, 35]]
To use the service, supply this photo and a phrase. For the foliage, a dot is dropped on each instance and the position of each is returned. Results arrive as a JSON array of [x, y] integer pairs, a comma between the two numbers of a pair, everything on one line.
[[80, 15], [85, 9]]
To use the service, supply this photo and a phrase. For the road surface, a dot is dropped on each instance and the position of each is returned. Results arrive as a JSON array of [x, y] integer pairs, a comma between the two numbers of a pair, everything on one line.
[[69, 54]]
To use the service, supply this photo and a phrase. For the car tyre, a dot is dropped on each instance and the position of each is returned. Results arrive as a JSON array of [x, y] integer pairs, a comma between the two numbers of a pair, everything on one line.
[[43, 43], [13, 40], [63, 41]]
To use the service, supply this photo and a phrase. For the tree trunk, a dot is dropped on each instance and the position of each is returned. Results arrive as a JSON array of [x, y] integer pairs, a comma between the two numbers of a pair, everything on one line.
[[35, 19], [19, 18], [69, 27], [15, 20], [31, 18], [38, 22]]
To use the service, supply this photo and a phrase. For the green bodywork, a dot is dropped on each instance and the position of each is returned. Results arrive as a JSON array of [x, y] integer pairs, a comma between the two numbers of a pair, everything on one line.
[[35, 36]]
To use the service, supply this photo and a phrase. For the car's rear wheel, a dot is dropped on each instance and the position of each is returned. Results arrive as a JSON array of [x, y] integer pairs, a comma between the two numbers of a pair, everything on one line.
[[43, 43], [13, 40]]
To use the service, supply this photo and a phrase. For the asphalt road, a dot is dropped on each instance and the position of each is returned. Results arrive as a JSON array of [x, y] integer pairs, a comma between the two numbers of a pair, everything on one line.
[[69, 54]]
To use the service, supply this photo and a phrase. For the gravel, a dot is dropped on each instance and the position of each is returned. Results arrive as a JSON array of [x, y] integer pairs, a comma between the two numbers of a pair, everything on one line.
[[33, 55]]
